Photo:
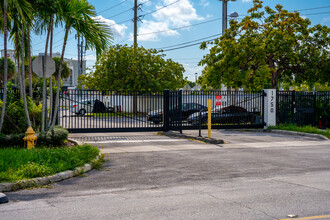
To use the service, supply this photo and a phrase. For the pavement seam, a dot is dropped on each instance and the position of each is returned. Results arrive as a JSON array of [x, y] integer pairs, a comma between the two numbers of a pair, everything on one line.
[[237, 203], [296, 184]]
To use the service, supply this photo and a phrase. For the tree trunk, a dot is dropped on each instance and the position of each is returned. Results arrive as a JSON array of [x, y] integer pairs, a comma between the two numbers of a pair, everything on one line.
[[5, 65], [274, 79], [44, 87], [274, 73], [59, 77], [23, 80], [30, 66], [51, 77]]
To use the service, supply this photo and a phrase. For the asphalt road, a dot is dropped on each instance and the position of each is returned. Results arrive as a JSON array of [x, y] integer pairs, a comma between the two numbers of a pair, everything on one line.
[[253, 176]]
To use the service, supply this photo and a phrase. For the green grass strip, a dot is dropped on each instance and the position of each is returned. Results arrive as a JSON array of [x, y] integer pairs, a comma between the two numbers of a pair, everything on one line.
[[304, 129], [19, 164]]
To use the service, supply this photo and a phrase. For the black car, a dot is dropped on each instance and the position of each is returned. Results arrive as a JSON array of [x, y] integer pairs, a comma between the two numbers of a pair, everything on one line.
[[187, 109], [228, 115]]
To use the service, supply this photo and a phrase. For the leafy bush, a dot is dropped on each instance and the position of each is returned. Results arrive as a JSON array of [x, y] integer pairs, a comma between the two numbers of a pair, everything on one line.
[[15, 120], [53, 138], [11, 140], [45, 139]]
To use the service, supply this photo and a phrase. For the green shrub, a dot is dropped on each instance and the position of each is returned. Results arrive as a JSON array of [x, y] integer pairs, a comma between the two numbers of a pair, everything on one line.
[[11, 140], [46, 139], [53, 138], [15, 120]]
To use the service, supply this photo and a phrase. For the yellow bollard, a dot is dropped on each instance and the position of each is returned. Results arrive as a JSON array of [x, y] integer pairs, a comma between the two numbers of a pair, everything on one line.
[[30, 138], [209, 118]]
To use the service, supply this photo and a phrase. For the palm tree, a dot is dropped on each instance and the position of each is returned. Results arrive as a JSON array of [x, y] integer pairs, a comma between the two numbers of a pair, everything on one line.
[[46, 11], [5, 8], [11, 9], [78, 14]]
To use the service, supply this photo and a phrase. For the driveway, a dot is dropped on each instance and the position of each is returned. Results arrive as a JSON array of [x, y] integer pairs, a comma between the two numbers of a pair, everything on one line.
[[147, 176]]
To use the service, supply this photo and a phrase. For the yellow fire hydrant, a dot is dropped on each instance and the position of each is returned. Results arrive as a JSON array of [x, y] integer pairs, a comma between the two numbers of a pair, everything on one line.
[[30, 138]]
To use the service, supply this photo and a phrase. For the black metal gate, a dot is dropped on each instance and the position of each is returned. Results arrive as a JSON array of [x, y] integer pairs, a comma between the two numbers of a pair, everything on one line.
[[106, 111]]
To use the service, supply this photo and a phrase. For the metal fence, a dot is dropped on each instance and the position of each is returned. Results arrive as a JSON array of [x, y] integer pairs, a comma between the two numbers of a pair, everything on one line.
[[304, 108], [90, 110]]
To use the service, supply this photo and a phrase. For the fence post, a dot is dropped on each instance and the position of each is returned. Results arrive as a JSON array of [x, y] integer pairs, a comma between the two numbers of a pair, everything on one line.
[[166, 109], [270, 107], [293, 107], [180, 110]]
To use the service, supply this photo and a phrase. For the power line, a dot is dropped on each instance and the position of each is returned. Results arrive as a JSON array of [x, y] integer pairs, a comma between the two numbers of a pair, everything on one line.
[[173, 29], [120, 13], [190, 45], [159, 8], [319, 13], [307, 9], [112, 6], [190, 41]]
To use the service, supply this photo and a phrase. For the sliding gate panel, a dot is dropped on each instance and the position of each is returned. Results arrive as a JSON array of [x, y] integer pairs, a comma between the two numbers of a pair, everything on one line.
[[106, 111], [102, 111], [234, 109]]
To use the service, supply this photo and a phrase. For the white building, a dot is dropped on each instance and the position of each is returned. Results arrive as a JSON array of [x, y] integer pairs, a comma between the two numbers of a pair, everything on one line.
[[10, 54]]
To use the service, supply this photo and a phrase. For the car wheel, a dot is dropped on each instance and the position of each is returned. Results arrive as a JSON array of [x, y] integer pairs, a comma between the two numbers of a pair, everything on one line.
[[82, 112]]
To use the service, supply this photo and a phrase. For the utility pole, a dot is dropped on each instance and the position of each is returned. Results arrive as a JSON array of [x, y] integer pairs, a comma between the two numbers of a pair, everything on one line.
[[135, 22], [224, 15], [79, 56]]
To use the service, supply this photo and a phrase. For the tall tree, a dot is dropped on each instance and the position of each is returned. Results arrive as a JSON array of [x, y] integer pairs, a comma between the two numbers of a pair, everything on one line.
[[20, 11], [135, 69], [267, 47], [5, 8], [79, 15]]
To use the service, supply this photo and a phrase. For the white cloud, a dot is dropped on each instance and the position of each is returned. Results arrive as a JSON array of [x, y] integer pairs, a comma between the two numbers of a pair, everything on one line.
[[204, 3], [179, 14], [152, 26], [246, 0], [117, 30]]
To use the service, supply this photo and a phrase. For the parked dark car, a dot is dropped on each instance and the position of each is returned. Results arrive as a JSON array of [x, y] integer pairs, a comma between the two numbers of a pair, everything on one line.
[[187, 109], [227, 115]]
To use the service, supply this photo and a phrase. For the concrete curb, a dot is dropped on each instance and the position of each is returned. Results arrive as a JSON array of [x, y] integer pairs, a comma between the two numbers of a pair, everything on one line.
[[75, 142], [205, 139], [40, 181], [319, 136]]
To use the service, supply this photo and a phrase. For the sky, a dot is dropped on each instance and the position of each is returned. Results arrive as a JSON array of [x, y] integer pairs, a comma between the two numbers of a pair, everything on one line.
[[176, 26]]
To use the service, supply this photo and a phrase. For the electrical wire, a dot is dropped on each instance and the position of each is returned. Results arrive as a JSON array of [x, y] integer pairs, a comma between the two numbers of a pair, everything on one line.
[[165, 6], [307, 9], [173, 29], [204, 38], [319, 13], [112, 7], [123, 12]]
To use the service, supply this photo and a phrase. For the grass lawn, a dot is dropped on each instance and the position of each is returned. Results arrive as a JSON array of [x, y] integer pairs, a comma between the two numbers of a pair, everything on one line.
[[305, 129], [19, 164]]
